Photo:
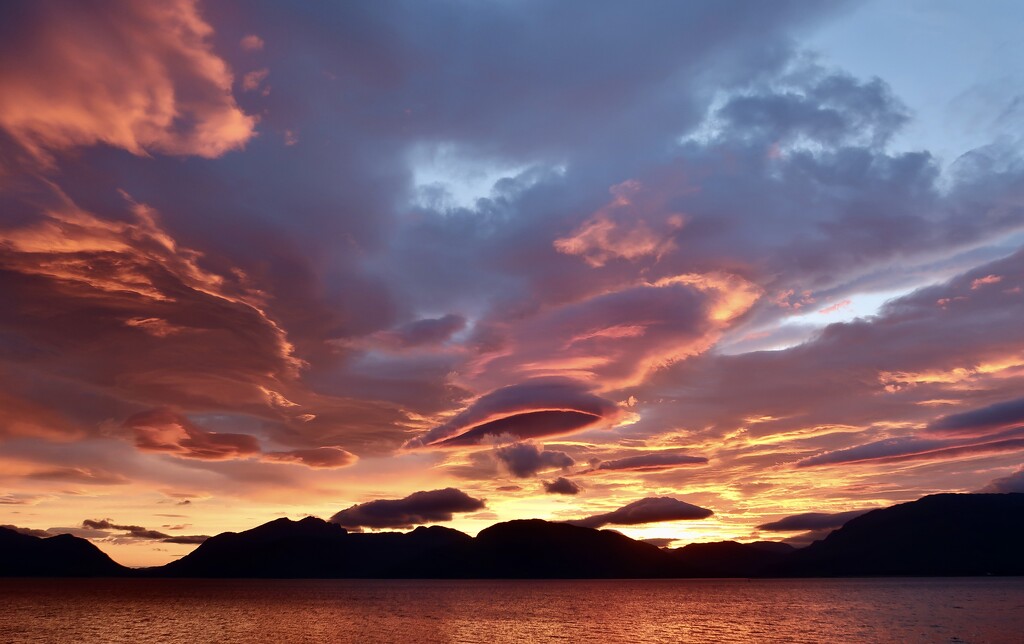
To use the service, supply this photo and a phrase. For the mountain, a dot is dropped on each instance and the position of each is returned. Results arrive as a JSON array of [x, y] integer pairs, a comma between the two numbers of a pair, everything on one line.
[[22, 555], [940, 535], [945, 534], [536, 549], [730, 559], [312, 548], [516, 549]]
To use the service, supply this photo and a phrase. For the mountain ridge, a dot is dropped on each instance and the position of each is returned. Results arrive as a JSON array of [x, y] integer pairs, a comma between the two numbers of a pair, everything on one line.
[[944, 534]]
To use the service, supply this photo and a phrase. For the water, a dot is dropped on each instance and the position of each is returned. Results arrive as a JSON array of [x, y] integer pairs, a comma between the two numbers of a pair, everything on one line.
[[194, 611]]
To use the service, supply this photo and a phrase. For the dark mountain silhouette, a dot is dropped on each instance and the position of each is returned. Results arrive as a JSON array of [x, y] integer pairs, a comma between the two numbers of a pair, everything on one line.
[[313, 548], [946, 534], [730, 558], [535, 549], [940, 535], [22, 555]]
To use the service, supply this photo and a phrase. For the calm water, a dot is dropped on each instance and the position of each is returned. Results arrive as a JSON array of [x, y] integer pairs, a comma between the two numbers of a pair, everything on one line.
[[189, 611]]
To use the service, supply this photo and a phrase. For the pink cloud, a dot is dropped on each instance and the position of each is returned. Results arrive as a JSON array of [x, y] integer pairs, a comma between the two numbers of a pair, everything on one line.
[[137, 76], [162, 430], [317, 457], [252, 42], [252, 80], [835, 307], [985, 281]]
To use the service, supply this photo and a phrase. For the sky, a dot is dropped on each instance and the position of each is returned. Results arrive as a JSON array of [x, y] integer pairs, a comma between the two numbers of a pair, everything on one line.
[[692, 271]]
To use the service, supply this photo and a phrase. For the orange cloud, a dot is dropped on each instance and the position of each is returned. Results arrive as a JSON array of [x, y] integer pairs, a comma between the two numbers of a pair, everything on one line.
[[618, 231], [138, 76], [618, 337]]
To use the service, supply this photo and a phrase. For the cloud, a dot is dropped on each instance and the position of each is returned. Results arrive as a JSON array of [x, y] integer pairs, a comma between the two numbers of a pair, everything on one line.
[[650, 212], [32, 532], [314, 457], [618, 231], [811, 521], [653, 461], [982, 419], [1012, 483], [139, 532], [622, 333], [524, 460], [163, 430], [909, 448], [251, 42], [90, 475], [19, 499], [427, 331], [561, 485], [649, 510], [139, 77], [532, 409], [187, 540], [416, 509], [985, 281], [842, 304], [876, 450]]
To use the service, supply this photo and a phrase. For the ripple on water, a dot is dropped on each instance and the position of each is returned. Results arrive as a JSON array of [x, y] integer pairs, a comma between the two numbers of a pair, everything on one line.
[[492, 612]]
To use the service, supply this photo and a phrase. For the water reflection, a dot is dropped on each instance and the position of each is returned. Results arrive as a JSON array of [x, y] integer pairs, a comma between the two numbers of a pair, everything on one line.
[[490, 612]]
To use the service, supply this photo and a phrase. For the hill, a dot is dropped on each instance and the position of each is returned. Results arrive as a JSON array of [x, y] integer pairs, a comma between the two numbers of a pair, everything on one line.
[[64, 555]]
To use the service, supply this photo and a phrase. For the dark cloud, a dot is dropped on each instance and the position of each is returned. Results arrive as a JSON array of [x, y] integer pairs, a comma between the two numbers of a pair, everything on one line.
[[524, 426], [834, 109], [416, 509], [556, 405], [524, 460], [649, 510], [508, 488], [84, 533], [882, 449], [909, 448], [653, 461], [32, 532], [807, 538], [424, 332], [139, 532], [986, 418], [186, 540], [660, 542], [1012, 483], [811, 521], [561, 485]]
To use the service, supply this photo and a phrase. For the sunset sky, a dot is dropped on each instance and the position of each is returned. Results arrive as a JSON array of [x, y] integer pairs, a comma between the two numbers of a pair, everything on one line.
[[264, 259]]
